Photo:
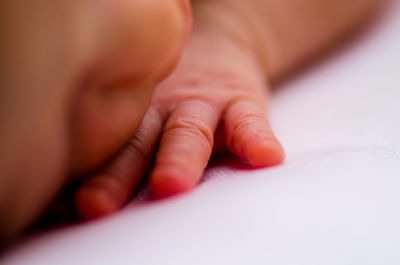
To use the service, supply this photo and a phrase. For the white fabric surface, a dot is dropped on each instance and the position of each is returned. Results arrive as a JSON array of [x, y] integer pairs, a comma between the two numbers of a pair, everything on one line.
[[336, 200]]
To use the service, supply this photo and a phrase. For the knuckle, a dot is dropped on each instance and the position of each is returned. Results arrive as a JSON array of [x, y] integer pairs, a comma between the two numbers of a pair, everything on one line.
[[218, 77], [135, 148], [241, 124], [110, 179], [193, 126], [251, 112], [247, 119], [134, 153]]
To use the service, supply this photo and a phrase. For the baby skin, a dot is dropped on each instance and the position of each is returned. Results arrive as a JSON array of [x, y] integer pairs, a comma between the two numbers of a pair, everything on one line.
[[81, 95]]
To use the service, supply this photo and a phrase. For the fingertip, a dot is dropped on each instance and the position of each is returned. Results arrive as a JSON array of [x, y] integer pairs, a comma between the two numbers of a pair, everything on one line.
[[170, 183], [264, 153], [93, 202]]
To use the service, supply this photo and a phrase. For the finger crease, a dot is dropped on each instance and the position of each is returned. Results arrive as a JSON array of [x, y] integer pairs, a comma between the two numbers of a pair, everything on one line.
[[197, 127], [139, 153], [246, 119]]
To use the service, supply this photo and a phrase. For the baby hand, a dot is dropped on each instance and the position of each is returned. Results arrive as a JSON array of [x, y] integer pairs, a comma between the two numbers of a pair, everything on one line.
[[220, 84]]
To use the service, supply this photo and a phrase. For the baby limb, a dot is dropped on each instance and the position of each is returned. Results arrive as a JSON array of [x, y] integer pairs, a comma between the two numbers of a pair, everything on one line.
[[76, 78], [237, 49]]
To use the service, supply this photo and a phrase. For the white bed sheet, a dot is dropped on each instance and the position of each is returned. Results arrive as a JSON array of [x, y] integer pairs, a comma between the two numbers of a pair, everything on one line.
[[336, 200]]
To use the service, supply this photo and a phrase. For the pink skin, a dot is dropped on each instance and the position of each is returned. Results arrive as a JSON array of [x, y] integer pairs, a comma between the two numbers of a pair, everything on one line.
[[217, 83], [76, 78], [237, 48]]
